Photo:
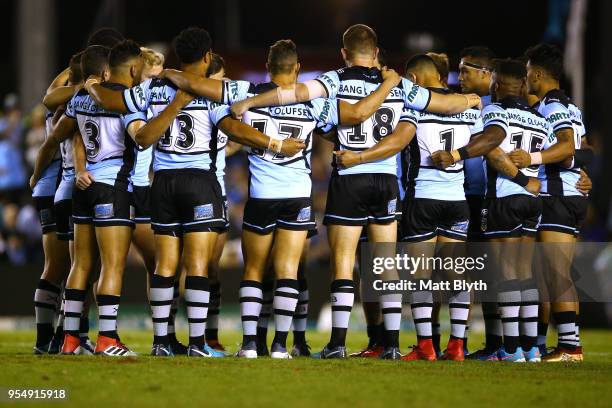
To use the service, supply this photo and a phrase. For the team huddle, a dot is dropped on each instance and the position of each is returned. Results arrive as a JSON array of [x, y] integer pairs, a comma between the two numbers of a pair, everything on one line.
[[413, 161]]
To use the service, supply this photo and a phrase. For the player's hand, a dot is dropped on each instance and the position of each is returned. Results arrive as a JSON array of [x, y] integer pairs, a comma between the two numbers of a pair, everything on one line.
[[33, 181], [442, 159], [83, 180], [389, 75], [533, 186], [239, 108], [347, 158], [474, 101], [183, 98], [584, 184], [92, 80], [520, 158], [292, 146]]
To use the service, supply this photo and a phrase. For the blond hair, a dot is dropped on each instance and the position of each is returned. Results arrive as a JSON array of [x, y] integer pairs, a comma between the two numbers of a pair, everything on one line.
[[151, 57]]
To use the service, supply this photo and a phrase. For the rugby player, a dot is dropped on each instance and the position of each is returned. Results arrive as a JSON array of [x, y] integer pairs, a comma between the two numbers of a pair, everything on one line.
[[564, 206], [188, 207]]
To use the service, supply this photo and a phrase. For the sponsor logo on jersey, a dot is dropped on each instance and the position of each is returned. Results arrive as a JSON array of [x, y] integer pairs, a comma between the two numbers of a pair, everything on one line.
[[203, 212], [140, 97], [391, 206], [304, 214], [413, 92], [104, 210], [461, 226]]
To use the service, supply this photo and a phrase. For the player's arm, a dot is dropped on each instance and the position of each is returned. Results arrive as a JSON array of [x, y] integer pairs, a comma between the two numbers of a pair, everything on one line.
[[450, 104], [502, 163], [232, 148], [108, 99], [60, 80], [149, 134], [82, 178], [62, 131], [196, 85], [389, 146], [584, 183], [327, 135], [59, 96], [480, 145], [249, 136], [557, 153]]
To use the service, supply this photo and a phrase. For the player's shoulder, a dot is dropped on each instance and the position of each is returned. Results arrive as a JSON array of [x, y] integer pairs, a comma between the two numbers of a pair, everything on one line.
[[556, 96], [358, 73], [262, 87], [154, 83]]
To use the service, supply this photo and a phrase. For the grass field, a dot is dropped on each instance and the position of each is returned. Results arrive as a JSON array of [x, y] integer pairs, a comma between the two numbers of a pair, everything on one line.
[[146, 381]]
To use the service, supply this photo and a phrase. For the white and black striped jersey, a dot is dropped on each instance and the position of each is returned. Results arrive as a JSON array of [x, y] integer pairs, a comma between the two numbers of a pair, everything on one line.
[[355, 83], [109, 148], [273, 175], [191, 140], [560, 113], [439, 132], [525, 129]]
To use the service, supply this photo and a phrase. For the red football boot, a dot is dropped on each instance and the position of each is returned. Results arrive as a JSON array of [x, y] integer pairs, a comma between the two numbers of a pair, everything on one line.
[[424, 350], [72, 345], [454, 350], [369, 352]]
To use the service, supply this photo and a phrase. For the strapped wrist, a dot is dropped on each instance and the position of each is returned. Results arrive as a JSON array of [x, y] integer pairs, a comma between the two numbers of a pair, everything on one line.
[[521, 179]]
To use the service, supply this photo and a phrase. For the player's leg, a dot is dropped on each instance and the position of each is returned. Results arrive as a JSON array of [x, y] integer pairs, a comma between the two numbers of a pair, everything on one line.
[[286, 254], [212, 325], [257, 240], [300, 318], [267, 290], [114, 244], [145, 246], [57, 263]]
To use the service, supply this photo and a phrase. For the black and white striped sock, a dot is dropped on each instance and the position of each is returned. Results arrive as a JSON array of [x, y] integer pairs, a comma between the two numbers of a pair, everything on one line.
[[73, 308], [197, 297], [285, 302], [421, 304], [300, 318], [174, 307], [161, 295], [250, 308], [46, 302], [391, 308], [578, 344], [493, 325], [108, 308], [459, 309], [528, 316], [509, 303], [212, 326], [266, 311], [566, 328], [342, 299]]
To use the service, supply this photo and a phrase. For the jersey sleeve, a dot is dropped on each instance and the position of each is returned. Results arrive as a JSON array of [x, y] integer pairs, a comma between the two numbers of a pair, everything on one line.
[[133, 117], [70, 111], [235, 91], [558, 115], [137, 98], [325, 112], [410, 116], [415, 97], [494, 115], [476, 128], [217, 112], [331, 82]]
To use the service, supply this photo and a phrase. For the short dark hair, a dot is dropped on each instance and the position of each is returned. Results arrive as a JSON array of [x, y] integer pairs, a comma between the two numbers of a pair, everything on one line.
[[76, 74], [123, 52], [482, 55], [282, 57], [547, 56], [94, 59], [192, 44], [359, 39], [217, 63], [105, 36], [510, 68], [441, 62], [419, 61]]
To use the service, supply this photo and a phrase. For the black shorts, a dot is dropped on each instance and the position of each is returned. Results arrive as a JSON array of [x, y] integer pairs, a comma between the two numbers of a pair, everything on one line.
[[512, 216], [563, 214], [103, 205], [46, 213], [358, 199], [226, 226], [265, 215], [141, 197], [475, 203], [64, 222], [424, 218], [186, 200]]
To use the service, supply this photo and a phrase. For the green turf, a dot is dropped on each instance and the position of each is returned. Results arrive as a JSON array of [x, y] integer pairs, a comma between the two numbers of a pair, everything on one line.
[[145, 381]]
